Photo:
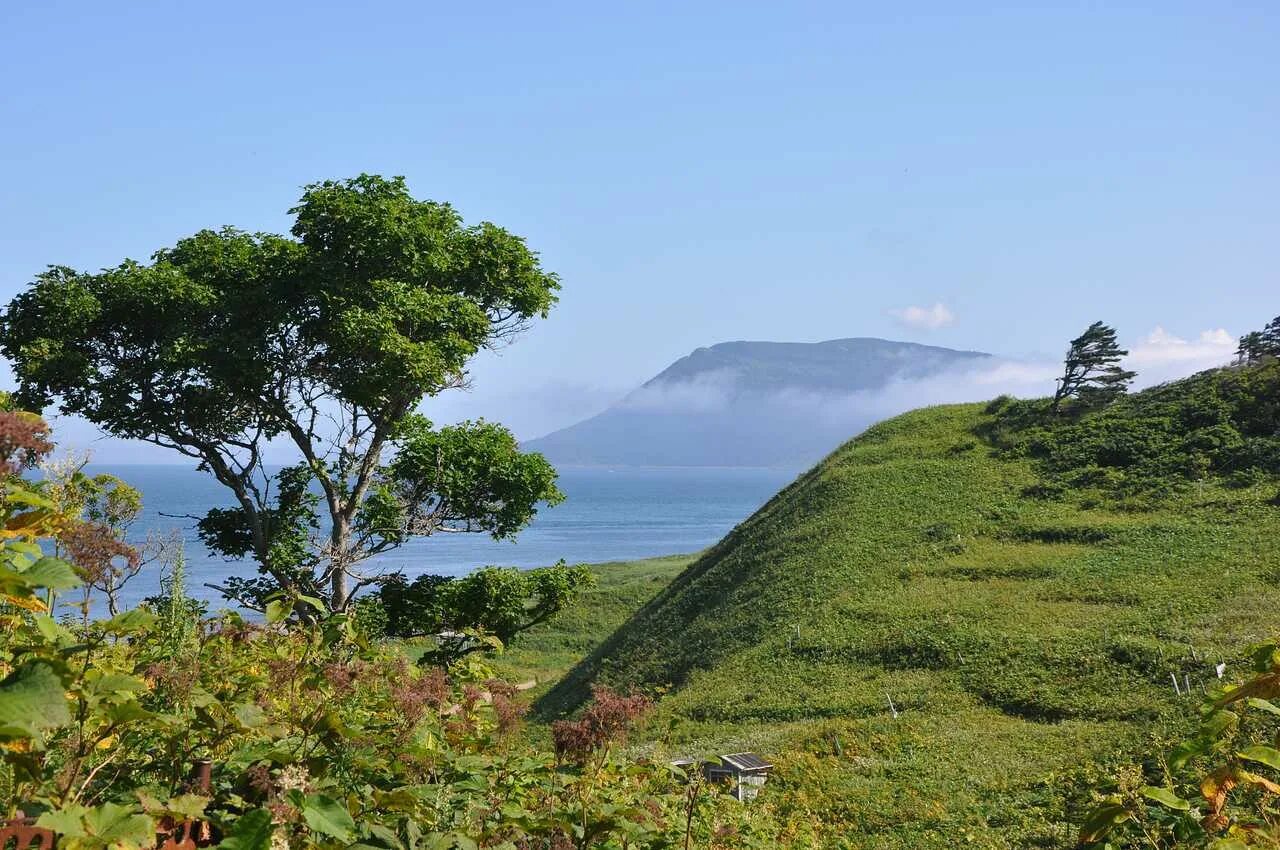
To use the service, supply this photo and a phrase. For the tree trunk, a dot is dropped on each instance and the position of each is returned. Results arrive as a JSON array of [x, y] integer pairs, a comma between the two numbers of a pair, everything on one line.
[[338, 541], [338, 593]]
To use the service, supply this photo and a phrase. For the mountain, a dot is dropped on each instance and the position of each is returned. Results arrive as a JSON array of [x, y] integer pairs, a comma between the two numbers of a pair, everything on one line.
[[960, 620], [753, 404]]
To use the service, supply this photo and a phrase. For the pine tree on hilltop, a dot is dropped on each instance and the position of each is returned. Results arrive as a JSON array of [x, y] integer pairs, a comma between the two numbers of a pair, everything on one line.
[[1271, 338], [1256, 345], [1092, 371], [1250, 348]]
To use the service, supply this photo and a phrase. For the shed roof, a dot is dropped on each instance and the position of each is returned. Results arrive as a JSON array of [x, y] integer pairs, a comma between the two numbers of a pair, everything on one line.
[[746, 761]]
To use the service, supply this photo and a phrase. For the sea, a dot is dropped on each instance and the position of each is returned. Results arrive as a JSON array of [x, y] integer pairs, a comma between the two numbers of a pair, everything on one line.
[[608, 515]]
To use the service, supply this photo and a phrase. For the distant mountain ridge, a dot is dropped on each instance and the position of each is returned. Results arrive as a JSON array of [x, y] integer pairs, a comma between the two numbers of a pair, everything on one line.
[[751, 404]]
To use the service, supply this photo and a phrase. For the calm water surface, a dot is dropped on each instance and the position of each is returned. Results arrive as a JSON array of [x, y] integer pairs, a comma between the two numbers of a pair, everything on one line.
[[608, 515]]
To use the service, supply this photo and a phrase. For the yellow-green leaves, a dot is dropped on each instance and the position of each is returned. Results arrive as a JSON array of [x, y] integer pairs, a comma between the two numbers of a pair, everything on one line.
[[1165, 797], [1102, 819], [1261, 754]]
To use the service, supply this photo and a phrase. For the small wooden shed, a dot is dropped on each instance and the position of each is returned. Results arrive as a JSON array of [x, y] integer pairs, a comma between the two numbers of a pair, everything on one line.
[[747, 772]]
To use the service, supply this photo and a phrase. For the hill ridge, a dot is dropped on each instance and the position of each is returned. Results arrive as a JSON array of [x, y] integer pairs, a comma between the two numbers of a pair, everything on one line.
[[1020, 586], [750, 403]]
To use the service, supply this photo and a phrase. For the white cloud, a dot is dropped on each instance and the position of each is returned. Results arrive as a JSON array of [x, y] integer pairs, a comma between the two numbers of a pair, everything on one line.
[[924, 318], [1162, 355], [704, 393]]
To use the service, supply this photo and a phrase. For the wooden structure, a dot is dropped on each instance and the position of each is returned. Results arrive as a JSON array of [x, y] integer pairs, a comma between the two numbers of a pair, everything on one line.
[[747, 771]]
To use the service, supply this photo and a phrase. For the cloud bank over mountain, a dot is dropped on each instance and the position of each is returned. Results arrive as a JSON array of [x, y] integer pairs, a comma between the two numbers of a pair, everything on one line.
[[788, 404], [752, 404]]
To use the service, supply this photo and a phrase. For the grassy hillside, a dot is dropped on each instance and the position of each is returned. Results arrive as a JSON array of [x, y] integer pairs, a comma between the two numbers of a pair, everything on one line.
[[1024, 622], [547, 651]]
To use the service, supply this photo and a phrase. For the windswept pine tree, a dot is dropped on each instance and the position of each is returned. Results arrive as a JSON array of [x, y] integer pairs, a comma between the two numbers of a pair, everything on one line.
[[1256, 345], [1092, 373]]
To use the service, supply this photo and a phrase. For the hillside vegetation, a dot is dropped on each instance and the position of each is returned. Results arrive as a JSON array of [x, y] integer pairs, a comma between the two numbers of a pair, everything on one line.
[[1020, 586]]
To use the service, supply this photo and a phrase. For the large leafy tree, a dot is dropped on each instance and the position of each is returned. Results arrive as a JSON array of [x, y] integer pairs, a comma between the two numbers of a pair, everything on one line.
[[328, 340], [1092, 372]]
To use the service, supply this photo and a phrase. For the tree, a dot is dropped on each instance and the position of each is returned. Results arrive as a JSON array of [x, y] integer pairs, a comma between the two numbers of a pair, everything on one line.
[[1251, 347], [1092, 373], [97, 512], [496, 601], [1256, 345], [327, 341]]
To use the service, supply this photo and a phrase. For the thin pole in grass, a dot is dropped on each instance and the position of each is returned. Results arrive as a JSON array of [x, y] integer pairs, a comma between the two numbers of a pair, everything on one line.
[[1176, 690], [892, 709]]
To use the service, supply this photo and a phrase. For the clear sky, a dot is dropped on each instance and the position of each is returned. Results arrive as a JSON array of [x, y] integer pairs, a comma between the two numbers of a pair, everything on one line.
[[695, 172]]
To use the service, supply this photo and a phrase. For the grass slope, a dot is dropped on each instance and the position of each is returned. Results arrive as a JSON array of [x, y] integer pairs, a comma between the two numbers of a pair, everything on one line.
[[547, 651], [1023, 641]]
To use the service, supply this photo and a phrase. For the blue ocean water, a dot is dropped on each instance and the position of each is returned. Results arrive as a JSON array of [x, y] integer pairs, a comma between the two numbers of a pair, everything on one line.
[[608, 515]]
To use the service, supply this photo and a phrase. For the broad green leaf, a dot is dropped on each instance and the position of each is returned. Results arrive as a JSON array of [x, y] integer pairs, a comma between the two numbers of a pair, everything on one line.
[[1265, 657], [1102, 820], [329, 817], [50, 629], [131, 621], [119, 827], [315, 603], [25, 547], [384, 834], [1269, 756], [127, 712], [1165, 797], [277, 610], [102, 684], [1228, 844], [52, 573], [32, 698], [67, 821], [24, 496], [189, 806], [250, 831], [250, 714], [1188, 750], [1218, 722], [1263, 705]]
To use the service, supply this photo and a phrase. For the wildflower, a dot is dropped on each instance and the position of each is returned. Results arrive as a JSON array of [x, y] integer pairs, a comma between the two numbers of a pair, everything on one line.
[[24, 440], [506, 709], [293, 777], [605, 721]]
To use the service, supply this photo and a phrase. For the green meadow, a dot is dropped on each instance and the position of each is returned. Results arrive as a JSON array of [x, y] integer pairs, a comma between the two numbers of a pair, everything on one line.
[[935, 639]]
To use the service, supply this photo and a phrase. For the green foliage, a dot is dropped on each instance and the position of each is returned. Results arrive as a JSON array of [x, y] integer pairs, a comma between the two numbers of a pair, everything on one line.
[[1258, 345], [328, 339], [1217, 787], [31, 701], [497, 601], [1223, 423], [1092, 374], [316, 737], [467, 477], [1026, 643]]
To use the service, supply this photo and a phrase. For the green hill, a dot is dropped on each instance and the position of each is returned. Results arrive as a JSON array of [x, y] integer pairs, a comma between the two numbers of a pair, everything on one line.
[[1021, 586]]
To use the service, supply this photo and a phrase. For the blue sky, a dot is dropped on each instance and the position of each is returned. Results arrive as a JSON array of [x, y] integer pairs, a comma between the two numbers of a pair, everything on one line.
[[695, 172]]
